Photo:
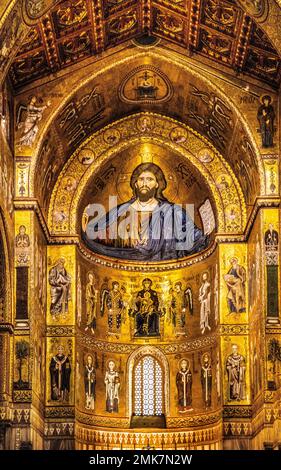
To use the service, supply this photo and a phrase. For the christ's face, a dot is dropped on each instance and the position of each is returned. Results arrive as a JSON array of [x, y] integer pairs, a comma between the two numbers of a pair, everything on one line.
[[146, 185]]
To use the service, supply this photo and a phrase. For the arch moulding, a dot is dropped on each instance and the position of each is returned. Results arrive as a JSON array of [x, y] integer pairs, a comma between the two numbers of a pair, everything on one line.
[[129, 131], [132, 360]]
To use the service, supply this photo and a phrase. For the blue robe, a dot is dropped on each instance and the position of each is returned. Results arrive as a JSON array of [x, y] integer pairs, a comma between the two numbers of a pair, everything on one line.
[[166, 240]]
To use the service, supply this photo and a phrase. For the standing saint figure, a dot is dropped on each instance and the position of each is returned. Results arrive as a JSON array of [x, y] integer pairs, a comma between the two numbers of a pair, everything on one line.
[[266, 116], [91, 303], [236, 370], [60, 371], [112, 301], [90, 383], [206, 380], [112, 385], [205, 301], [184, 386], [22, 239], [34, 114], [22, 242], [180, 301], [60, 282], [271, 238], [235, 280]]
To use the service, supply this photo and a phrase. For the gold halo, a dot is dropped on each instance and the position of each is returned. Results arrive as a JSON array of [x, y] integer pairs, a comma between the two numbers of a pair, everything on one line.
[[227, 179], [206, 151], [87, 153], [202, 357], [145, 154], [184, 359], [58, 260], [208, 275], [266, 94], [111, 360], [92, 273], [86, 355], [111, 136]]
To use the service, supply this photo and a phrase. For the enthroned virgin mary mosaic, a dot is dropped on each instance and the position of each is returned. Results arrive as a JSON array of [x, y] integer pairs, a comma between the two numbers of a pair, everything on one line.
[[146, 227]]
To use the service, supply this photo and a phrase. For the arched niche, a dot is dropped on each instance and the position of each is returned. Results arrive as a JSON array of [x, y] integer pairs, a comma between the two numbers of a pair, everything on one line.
[[54, 146], [146, 129], [133, 361]]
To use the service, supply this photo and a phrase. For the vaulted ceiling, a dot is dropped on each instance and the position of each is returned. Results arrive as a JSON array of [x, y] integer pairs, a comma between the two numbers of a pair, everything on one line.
[[218, 30]]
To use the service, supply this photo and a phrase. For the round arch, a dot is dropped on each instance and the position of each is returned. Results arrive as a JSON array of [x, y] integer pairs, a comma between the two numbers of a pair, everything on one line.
[[133, 360], [230, 204], [124, 60]]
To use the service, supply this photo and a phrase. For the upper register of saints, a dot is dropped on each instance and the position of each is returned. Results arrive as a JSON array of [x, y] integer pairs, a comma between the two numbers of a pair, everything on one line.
[[147, 227]]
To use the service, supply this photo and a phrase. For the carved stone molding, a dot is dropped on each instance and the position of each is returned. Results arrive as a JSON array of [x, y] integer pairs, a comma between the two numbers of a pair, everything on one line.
[[140, 439], [193, 421], [269, 396], [59, 429], [273, 330], [22, 396], [237, 411], [60, 331], [59, 412], [6, 414], [237, 429], [103, 421], [193, 345], [260, 203], [143, 268], [174, 348], [21, 416], [234, 329], [6, 328]]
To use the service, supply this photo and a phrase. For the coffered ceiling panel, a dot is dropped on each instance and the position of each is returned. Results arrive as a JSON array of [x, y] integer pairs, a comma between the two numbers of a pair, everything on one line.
[[218, 30]]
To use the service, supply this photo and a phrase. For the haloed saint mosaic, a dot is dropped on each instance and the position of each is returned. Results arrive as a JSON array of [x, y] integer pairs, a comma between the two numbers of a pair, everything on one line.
[[149, 225]]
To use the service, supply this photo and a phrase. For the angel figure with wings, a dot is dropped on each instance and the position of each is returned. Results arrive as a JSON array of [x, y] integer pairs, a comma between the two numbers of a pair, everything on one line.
[[180, 302], [113, 301], [29, 125]]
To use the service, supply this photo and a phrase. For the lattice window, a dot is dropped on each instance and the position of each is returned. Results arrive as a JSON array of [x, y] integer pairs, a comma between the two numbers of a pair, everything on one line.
[[148, 387]]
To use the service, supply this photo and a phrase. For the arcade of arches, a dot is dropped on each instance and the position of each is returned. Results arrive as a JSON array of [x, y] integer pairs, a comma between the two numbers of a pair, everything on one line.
[[139, 224]]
